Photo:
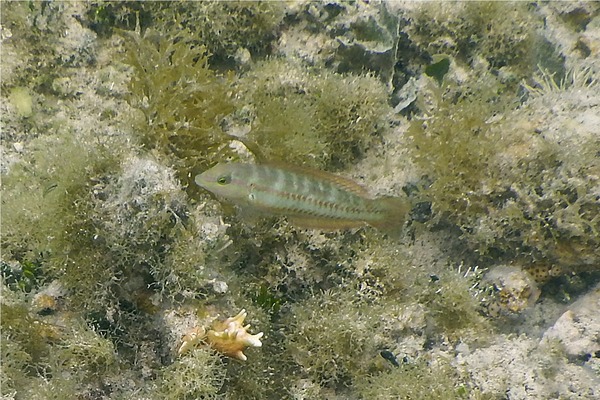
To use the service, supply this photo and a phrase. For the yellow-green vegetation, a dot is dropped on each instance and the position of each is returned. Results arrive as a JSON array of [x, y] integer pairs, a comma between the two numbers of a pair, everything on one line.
[[104, 17], [304, 115], [380, 300], [449, 298], [348, 342], [421, 379], [455, 146], [44, 358], [198, 375], [41, 64], [336, 117], [47, 199], [106, 229], [21, 99], [262, 378], [225, 28], [504, 179], [502, 34]]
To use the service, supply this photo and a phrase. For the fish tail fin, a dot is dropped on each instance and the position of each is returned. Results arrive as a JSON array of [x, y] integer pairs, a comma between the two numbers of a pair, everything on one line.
[[395, 210]]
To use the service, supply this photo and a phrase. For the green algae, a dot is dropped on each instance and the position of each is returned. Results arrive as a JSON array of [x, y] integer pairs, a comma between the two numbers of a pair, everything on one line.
[[502, 34], [417, 379], [41, 358], [336, 117], [198, 375], [52, 194], [501, 182]]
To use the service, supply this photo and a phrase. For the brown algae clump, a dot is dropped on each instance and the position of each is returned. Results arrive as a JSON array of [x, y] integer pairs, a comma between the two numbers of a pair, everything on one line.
[[182, 100]]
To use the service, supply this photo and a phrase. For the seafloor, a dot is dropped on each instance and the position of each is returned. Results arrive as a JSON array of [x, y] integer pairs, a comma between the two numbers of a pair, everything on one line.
[[117, 271]]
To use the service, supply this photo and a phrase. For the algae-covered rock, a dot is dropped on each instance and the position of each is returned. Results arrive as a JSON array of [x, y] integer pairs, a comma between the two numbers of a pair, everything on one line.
[[510, 178], [484, 114]]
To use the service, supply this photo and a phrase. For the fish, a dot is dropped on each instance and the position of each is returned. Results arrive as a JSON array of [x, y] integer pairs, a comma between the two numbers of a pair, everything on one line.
[[308, 198]]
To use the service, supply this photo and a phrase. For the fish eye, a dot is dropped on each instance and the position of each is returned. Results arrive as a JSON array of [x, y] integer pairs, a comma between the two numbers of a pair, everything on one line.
[[223, 180]]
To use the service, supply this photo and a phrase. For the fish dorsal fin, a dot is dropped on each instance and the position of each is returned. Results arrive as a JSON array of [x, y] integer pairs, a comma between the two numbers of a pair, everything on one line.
[[336, 180]]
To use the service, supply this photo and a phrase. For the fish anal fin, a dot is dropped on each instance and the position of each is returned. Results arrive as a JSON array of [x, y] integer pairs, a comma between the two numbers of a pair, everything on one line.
[[325, 224]]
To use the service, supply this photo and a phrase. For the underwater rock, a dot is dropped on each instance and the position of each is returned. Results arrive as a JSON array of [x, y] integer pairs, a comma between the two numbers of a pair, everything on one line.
[[351, 37], [578, 329]]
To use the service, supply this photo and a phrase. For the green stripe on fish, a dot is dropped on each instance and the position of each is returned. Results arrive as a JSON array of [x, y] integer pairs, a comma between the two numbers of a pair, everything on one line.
[[308, 198]]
